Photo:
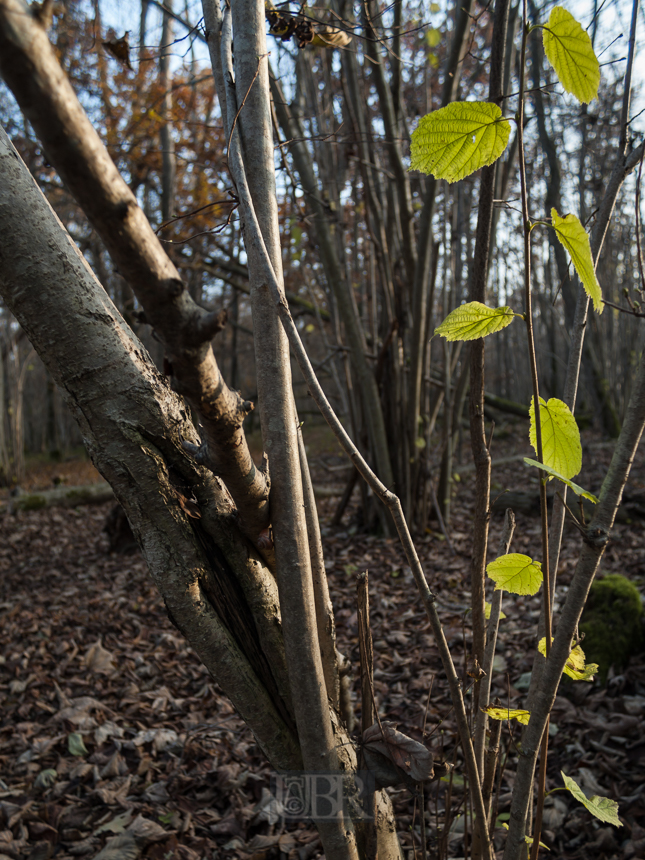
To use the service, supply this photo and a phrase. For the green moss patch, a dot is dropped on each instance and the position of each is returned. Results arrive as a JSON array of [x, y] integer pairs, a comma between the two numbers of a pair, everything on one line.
[[612, 623]]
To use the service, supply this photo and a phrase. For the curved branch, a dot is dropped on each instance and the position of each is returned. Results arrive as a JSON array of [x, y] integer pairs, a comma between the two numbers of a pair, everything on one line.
[[32, 71]]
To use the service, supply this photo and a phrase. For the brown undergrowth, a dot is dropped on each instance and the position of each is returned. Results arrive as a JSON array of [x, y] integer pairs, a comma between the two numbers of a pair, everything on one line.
[[114, 739]]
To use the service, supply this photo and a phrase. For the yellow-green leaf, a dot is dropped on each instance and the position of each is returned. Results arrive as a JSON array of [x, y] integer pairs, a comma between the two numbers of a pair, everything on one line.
[[474, 320], [573, 236], [570, 52], [456, 140], [508, 714], [576, 666], [561, 448], [528, 839], [487, 608], [602, 807], [577, 489], [433, 37], [516, 573]]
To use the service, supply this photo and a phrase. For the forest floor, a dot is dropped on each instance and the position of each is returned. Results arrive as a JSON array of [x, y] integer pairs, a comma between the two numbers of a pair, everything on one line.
[[116, 744]]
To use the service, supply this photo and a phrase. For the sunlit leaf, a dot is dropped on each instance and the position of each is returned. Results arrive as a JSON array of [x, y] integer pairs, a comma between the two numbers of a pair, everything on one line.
[[516, 573], [527, 839], [569, 50], [573, 236], [508, 714], [577, 489], [576, 666], [474, 320], [561, 448], [487, 608], [601, 807], [456, 140]]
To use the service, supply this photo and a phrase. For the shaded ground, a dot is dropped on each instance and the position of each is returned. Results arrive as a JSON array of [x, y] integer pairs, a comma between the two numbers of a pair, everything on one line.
[[110, 727]]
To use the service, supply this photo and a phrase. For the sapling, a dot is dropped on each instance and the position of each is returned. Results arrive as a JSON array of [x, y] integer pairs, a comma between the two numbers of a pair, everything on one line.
[[452, 143]]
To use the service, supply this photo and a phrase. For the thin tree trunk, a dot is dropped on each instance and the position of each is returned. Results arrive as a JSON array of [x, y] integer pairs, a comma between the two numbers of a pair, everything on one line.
[[479, 443], [169, 163], [251, 159]]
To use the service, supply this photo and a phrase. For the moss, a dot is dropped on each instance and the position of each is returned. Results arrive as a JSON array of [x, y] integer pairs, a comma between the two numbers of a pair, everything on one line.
[[34, 503], [612, 623]]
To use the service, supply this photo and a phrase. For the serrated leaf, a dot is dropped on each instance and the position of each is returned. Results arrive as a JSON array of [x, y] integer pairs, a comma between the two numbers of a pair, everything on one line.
[[487, 608], [576, 666], [570, 51], [474, 320], [602, 808], [516, 573], [75, 744], [573, 236], [508, 714], [456, 140], [577, 489], [561, 448]]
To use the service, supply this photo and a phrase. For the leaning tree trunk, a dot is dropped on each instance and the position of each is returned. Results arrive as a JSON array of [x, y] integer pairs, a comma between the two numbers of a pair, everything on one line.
[[215, 581]]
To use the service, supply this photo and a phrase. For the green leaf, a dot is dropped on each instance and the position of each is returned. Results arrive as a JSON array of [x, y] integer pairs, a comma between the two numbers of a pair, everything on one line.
[[601, 807], [487, 608], [573, 236], [516, 573], [474, 320], [576, 666], [570, 52], [46, 778], [508, 714], [75, 744], [577, 489], [561, 448], [527, 839], [456, 140]]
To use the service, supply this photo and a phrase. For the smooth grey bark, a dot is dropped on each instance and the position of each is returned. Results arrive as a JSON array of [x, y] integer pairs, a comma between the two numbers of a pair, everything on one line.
[[32, 71], [251, 161], [325, 622], [133, 425]]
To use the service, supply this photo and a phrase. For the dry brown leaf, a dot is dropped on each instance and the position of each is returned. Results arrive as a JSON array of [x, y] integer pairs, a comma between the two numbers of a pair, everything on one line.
[[99, 660], [412, 760], [146, 832], [121, 847], [120, 48]]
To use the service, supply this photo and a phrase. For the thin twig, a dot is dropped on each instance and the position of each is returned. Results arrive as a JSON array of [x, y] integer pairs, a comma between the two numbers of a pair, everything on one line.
[[239, 110]]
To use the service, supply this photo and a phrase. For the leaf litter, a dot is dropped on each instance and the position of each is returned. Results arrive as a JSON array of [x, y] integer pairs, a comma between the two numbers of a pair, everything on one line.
[[160, 765]]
